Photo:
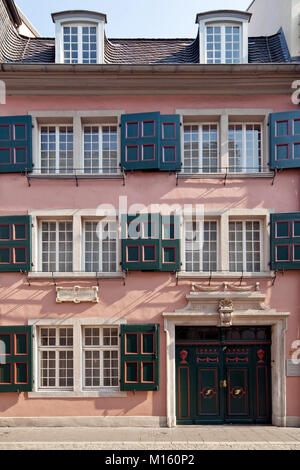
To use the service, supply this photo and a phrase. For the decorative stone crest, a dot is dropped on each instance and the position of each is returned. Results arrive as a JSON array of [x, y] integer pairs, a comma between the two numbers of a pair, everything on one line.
[[225, 310]]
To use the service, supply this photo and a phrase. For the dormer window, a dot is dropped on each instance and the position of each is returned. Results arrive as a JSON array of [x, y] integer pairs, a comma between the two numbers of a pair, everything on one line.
[[223, 37], [79, 37], [223, 44], [80, 44]]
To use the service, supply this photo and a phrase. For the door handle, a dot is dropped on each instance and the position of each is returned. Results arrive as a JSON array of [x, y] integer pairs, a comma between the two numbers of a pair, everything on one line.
[[223, 383]]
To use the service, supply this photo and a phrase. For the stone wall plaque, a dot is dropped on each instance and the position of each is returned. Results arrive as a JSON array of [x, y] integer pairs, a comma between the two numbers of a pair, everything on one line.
[[77, 294], [292, 369]]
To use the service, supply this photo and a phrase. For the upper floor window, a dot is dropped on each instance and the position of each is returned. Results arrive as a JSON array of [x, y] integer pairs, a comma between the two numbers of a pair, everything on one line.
[[223, 44]]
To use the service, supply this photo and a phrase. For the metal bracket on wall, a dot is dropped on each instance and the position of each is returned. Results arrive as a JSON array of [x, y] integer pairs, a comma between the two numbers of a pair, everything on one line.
[[54, 281], [28, 178], [124, 177], [274, 278], [27, 277], [225, 177], [274, 176]]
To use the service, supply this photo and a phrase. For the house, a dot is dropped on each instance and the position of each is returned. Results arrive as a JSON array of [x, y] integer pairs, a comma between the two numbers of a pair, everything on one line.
[[149, 223]]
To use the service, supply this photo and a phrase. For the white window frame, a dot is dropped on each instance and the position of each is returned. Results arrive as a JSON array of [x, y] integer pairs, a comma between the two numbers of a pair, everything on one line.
[[245, 169], [57, 170], [223, 41], [76, 119], [100, 151], [40, 241], [223, 218], [101, 348], [101, 222], [77, 217], [200, 146], [224, 117], [80, 27], [57, 348], [189, 219], [78, 389], [261, 239]]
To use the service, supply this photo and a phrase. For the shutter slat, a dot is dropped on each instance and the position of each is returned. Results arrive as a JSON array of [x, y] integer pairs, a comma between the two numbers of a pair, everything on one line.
[[285, 241], [140, 136], [15, 243], [140, 357], [16, 359], [15, 144], [141, 242], [170, 243], [284, 130], [170, 149]]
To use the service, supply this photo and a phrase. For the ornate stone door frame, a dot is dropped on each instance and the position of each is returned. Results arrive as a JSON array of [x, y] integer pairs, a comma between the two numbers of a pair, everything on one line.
[[241, 307]]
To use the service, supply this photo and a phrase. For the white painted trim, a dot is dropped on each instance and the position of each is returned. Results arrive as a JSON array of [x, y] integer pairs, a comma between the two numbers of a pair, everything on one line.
[[76, 118], [78, 388]]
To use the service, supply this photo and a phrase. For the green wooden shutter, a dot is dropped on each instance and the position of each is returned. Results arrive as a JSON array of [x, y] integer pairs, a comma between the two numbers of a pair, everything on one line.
[[140, 357], [15, 144], [170, 243], [285, 241], [141, 242], [15, 243], [284, 130], [16, 359], [170, 149], [140, 137]]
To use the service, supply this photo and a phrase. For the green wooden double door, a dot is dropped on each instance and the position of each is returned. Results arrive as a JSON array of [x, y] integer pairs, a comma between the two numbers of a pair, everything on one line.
[[223, 375]]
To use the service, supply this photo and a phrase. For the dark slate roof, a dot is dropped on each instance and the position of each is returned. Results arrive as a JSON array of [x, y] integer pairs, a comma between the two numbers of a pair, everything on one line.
[[269, 49], [152, 51], [15, 48]]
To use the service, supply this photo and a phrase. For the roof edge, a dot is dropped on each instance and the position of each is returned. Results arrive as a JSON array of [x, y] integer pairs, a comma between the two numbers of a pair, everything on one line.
[[13, 12], [224, 13], [88, 14]]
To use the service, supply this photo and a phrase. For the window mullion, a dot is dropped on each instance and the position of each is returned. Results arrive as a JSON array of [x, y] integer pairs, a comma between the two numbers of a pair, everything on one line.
[[100, 149], [223, 40], [200, 152], [244, 144], [244, 246], [57, 246], [57, 143]]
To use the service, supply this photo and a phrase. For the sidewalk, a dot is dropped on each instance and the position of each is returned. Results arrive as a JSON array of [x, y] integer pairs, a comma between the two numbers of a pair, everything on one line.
[[179, 438]]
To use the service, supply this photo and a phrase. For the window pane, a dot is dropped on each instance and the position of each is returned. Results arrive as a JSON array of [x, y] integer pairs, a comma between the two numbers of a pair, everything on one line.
[[101, 247], [244, 246]]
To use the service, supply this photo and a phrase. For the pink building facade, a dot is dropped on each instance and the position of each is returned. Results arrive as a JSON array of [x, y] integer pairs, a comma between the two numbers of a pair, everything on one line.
[[149, 224]]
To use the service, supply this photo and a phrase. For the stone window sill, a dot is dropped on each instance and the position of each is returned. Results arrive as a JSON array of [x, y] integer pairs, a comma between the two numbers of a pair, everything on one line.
[[79, 394]]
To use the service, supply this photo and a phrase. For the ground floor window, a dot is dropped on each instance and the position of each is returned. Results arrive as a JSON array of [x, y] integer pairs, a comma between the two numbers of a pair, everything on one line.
[[97, 357]]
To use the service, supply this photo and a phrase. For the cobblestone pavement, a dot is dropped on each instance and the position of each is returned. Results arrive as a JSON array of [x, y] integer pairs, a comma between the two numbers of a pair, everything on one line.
[[179, 438]]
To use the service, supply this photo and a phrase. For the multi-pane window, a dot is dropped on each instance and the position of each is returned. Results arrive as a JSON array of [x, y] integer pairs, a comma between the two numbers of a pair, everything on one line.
[[223, 44], [100, 149], [56, 149], [80, 44], [100, 246], [56, 368], [201, 144], [244, 246], [201, 248], [245, 147], [56, 241], [100, 357]]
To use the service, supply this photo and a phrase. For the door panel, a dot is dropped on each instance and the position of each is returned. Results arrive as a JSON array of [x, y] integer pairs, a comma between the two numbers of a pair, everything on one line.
[[226, 379]]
